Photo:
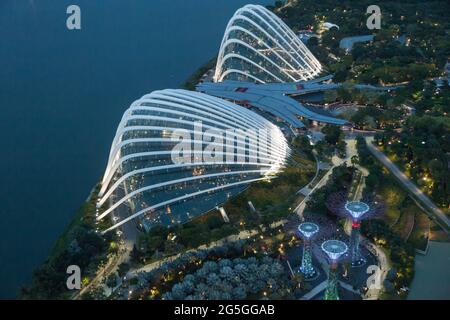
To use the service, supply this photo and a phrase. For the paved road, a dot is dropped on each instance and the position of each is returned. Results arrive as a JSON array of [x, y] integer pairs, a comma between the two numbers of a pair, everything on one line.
[[335, 162], [126, 240], [407, 183], [374, 292], [315, 291], [110, 267], [299, 209]]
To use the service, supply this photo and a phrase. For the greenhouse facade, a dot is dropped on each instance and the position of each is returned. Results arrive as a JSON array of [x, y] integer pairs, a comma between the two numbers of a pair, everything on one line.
[[178, 154]]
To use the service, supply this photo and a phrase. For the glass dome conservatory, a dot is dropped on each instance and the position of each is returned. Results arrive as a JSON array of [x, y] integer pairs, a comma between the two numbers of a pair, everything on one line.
[[258, 46], [178, 154]]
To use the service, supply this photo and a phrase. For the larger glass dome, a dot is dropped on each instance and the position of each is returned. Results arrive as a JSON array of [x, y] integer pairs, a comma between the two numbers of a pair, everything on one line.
[[178, 154]]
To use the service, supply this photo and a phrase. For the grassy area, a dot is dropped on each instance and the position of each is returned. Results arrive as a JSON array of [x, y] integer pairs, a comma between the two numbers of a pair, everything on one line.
[[357, 176], [421, 231], [272, 199], [405, 223], [392, 214], [401, 254], [437, 234], [393, 196], [340, 180], [420, 151]]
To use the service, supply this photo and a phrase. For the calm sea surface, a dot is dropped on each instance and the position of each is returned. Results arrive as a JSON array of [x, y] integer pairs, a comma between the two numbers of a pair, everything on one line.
[[62, 94], [432, 274]]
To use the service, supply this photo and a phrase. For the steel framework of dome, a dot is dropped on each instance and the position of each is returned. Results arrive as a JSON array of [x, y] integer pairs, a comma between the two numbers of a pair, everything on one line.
[[143, 174], [258, 46]]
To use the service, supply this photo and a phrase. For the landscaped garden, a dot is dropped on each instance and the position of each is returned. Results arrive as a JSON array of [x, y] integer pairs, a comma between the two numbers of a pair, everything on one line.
[[251, 268], [421, 149], [234, 279], [401, 231]]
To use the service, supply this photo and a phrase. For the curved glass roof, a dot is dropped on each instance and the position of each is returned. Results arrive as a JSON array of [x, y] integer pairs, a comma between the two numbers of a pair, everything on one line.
[[258, 46], [178, 154]]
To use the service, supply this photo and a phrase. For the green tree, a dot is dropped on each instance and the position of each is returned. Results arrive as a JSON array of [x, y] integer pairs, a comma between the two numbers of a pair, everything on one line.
[[333, 134]]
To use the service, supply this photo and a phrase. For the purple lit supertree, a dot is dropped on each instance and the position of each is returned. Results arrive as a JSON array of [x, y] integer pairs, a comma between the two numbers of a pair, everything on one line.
[[334, 249], [307, 231], [356, 211]]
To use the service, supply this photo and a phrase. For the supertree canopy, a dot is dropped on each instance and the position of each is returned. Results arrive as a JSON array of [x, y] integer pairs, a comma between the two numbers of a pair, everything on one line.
[[307, 231], [341, 205], [334, 249], [356, 211]]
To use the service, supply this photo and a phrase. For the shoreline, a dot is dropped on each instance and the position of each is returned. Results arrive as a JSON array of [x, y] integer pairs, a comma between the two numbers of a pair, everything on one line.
[[61, 243], [80, 212]]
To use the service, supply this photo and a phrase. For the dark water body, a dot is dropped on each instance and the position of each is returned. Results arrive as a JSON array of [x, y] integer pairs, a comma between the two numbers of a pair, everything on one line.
[[62, 94], [432, 273]]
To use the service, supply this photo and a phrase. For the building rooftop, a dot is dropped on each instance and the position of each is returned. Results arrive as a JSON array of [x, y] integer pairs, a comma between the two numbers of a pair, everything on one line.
[[273, 98]]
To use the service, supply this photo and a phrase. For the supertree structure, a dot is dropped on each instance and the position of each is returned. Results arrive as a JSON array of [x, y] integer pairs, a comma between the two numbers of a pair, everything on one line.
[[307, 231], [334, 249], [356, 211]]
